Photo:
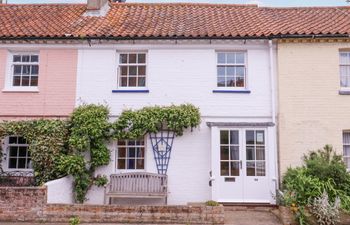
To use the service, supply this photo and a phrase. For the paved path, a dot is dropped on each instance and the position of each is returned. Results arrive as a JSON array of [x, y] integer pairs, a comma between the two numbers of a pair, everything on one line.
[[251, 218]]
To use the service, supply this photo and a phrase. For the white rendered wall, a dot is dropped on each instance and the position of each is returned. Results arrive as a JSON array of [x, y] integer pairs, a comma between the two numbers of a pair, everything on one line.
[[178, 75], [60, 191]]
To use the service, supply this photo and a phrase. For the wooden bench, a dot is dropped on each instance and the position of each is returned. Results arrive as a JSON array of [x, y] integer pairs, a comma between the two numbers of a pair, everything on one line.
[[136, 185]]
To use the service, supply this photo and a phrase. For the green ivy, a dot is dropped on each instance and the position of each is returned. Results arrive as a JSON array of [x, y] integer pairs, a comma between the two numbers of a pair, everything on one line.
[[77, 146]]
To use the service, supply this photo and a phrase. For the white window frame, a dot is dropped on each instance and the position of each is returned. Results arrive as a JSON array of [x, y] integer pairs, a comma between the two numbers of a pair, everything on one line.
[[119, 87], [346, 144], [7, 156], [9, 74], [126, 158], [245, 64], [340, 65]]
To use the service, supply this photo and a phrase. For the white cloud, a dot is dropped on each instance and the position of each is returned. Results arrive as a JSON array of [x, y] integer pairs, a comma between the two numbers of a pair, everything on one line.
[[256, 2]]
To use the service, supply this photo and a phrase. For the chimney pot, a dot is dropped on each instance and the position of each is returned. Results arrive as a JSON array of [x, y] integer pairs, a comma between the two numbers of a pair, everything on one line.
[[96, 4]]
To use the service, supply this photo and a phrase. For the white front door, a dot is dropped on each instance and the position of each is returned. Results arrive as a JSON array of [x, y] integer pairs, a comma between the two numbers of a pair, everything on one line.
[[239, 165]]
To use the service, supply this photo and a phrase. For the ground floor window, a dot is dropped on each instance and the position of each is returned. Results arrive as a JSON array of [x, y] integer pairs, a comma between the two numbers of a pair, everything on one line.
[[131, 154], [346, 148], [18, 156]]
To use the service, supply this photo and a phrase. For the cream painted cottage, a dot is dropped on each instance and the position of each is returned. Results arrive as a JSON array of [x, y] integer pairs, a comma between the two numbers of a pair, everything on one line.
[[221, 58]]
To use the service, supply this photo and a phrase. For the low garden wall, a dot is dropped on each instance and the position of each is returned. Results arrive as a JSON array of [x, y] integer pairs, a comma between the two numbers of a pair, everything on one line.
[[30, 205]]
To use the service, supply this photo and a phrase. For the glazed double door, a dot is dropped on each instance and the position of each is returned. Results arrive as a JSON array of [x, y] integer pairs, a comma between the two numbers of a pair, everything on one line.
[[239, 166]]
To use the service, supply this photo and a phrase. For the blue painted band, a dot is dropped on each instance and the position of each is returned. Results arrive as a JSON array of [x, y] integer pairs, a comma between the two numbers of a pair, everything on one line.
[[232, 91], [130, 91]]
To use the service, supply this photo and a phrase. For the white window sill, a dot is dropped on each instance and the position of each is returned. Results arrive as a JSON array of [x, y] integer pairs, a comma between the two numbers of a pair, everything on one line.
[[21, 89], [344, 91]]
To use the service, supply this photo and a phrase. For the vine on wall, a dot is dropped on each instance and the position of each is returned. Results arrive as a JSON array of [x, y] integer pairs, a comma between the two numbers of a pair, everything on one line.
[[77, 146]]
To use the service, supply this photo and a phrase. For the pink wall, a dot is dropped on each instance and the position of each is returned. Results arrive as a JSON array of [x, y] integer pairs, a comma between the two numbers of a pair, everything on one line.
[[57, 87]]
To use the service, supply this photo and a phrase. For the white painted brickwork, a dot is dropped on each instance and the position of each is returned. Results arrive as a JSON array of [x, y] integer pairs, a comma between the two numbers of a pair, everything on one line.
[[175, 75]]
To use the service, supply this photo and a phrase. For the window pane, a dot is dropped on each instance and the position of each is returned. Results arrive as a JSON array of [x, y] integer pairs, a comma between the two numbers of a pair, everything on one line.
[[12, 140], [131, 142], [123, 70], [240, 71], [224, 169], [260, 153], [25, 81], [140, 164], [34, 58], [221, 70], [250, 168], [25, 58], [22, 163], [347, 162], [132, 81], [26, 70], [260, 169], [140, 152], [141, 82], [221, 58], [131, 164], [17, 69], [230, 70], [132, 70], [22, 151], [35, 70], [346, 137], [141, 58], [16, 81], [344, 59], [234, 152], [121, 142], [234, 168], [16, 58], [260, 137], [239, 82], [13, 151], [123, 58], [234, 137], [131, 152], [29, 163], [13, 163], [230, 58], [221, 81], [141, 70], [121, 164], [224, 137], [121, 152], [124, 81], [34, 81], [250, 153], [250, 137], [230, 82], [224, 152], [132, 58], [240, 58]]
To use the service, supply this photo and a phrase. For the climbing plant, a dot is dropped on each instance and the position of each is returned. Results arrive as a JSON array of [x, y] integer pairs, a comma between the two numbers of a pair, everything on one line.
[[77, 146], [133, 124]]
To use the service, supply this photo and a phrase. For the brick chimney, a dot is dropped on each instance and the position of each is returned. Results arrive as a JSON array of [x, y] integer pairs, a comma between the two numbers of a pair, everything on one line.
[[97, 7]]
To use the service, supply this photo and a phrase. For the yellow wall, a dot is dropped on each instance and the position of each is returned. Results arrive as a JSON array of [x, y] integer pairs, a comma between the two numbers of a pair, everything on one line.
[[311, 111]]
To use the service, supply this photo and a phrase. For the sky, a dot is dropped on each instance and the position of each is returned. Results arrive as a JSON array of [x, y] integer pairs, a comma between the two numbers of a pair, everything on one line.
[[279, 3]]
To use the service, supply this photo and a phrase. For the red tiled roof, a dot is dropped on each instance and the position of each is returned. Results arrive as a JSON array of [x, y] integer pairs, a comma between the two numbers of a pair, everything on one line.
[[183, 20]]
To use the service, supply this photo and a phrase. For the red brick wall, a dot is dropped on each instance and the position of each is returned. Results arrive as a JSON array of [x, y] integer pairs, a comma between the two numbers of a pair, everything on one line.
[[29, 204]]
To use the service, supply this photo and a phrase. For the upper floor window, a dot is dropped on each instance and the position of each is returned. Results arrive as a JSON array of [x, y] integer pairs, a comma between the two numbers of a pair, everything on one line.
[[345, 69], [231, 69], [25, 70], [131, 154], [132, 70], [18, 155], [346, 148]]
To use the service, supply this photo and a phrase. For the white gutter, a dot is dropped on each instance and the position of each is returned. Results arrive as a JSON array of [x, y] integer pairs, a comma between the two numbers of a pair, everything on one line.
[[273, 108]]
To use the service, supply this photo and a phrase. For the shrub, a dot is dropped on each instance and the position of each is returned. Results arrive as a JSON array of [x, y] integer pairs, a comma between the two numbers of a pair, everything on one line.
[[211, 203], [325, 212], [325, 164], [74, 221]]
